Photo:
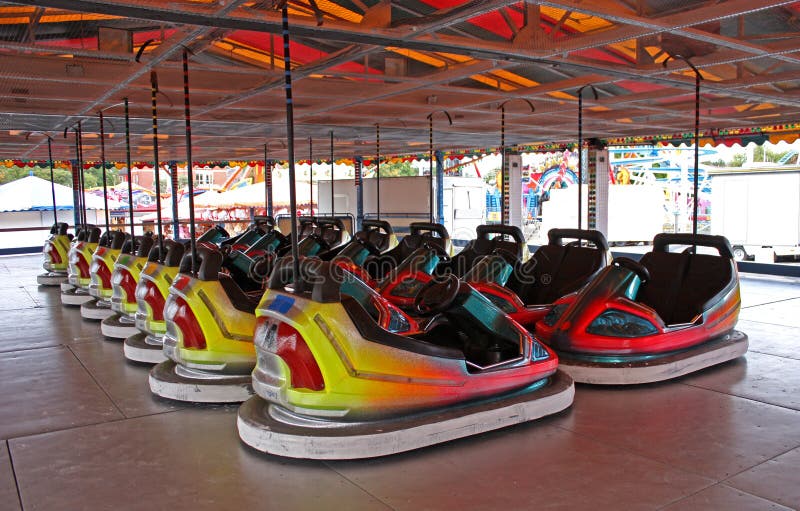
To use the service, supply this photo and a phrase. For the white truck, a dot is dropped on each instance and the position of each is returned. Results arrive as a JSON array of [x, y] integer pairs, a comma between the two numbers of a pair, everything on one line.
[[758, 210]]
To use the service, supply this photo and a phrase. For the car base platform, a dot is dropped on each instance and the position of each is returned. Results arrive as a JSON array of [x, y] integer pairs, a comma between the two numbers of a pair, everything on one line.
[[76, 296], [273, 429], [96, 310], [179, 383], [51, 278], [649, 369], [118, 326], [142, 347]]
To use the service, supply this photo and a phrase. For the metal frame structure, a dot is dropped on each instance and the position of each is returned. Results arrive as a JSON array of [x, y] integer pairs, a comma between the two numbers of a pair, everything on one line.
[[361, 63]]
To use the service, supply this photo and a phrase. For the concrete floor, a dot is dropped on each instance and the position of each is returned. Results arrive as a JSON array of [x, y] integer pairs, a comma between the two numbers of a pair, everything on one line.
[[81, 430]]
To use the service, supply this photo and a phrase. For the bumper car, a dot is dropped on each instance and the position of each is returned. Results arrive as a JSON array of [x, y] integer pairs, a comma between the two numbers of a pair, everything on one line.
[[670, 314], [156, 277], [376, 234], [100, 270], [249, 265], [80, 235], [527, 291], [146, 345], [55, 250], [124, 280], [328, 235], [210, 321], [507, 240], [376, 237], [421, 234], [343, 373], [80, 256]]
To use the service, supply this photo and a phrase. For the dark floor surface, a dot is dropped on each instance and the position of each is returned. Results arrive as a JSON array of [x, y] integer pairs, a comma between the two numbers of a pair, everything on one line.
[[80, 430]]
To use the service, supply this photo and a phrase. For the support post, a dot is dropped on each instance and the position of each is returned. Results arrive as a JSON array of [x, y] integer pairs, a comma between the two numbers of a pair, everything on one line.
[[598, 193], [103, 168], [76, 195], [173, 183], [358, 164], [128, 163], [513, 173], [439, 187]]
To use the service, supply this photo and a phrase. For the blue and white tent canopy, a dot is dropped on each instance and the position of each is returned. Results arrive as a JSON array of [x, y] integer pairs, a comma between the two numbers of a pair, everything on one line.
[[32, 193]]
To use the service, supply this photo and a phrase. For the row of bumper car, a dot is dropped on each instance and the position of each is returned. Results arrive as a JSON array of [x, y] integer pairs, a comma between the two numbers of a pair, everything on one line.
[[368, 346]]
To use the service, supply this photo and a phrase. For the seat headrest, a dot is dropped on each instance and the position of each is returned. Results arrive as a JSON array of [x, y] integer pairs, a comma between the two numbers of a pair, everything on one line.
[[145, 244], [429, 229], [118, 239], [484, 231], [557, 237], [209, 262], [662, 241]]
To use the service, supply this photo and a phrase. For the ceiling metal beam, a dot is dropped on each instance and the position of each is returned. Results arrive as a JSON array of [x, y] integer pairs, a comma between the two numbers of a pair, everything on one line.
[[303, 27]]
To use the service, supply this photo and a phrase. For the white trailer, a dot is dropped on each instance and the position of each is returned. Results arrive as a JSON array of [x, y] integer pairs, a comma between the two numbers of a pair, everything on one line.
[[635, 212], [406, 199], [758, 210]]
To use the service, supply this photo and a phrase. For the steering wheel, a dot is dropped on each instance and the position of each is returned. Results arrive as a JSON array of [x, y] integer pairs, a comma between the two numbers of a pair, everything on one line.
[[444, 257], [629, 264], [437, 295]]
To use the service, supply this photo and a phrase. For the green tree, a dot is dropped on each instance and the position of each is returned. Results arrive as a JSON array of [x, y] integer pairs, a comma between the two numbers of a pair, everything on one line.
[[93, 177], [737, 160], [775, 157], [60, 176], [398, 169]]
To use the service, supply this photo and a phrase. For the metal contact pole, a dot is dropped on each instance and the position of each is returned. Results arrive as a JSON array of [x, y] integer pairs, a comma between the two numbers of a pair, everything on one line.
[[267, 208], [189, 161], [378, 168], [154, 112], [432, 156], [128, 163], [430, 174], [83, 174], [580, 150], [697, 79], [287, 66], [503, 164], [103, 164], [76, 186], [52, 178]]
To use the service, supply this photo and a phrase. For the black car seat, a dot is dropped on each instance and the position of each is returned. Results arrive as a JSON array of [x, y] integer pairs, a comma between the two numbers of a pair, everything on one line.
[[557, 269], [93, 234], [377, 233], [332, 231], [484, 245], [143, 245], [421, 234], [209, 258], [173, 253], [683, 285], [117, 239]]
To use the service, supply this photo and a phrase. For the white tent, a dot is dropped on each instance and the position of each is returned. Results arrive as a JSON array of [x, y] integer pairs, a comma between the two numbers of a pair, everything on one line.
[[166, 212], [32, 193]]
